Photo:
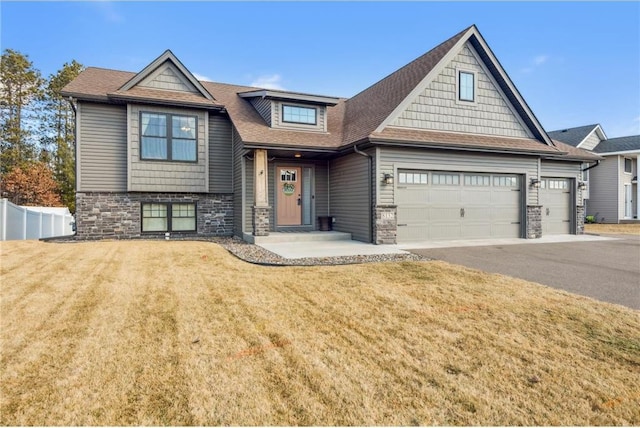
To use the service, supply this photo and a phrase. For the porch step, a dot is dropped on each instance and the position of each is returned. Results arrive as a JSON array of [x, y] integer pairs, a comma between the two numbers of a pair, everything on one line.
[[315, 236]]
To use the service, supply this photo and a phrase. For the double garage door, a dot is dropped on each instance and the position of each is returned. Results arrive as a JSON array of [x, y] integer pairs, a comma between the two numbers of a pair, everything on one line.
[[455, 205]]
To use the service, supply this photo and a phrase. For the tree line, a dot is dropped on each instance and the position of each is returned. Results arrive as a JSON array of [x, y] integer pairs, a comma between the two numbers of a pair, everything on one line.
[[37, 133]]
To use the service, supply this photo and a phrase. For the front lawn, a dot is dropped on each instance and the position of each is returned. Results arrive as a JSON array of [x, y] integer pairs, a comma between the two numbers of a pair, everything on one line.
[[182, 333], [615, 229]]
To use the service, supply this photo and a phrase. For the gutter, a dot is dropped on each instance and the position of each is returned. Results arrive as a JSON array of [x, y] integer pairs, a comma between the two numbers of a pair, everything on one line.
[[592, 166], [369, 179]]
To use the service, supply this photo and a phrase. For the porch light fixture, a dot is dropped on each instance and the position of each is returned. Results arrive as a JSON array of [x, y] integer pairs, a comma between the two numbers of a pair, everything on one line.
[[535, 183], [297, 155], [388, 179], [634, 180], [582, 185]]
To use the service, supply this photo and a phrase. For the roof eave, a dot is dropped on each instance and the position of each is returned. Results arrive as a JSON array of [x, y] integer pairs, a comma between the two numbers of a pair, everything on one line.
[[145, 100]]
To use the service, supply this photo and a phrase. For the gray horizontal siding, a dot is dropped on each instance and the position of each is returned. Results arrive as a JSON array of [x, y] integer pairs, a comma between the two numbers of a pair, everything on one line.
[[102, 148], [349, 195], [263, 107], [220, 155], [392, 159], [604, 194], [238, 206]]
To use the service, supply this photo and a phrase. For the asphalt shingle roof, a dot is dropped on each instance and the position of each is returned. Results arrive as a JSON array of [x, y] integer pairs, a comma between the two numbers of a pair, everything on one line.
[[349, 121], [620, 144], [572, 136]]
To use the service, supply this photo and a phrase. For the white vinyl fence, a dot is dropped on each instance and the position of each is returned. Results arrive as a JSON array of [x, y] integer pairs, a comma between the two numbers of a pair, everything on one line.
[[17, 222]]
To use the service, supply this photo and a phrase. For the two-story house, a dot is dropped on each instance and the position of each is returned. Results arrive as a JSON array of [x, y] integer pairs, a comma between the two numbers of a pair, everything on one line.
[[443, 148], [613, 191]]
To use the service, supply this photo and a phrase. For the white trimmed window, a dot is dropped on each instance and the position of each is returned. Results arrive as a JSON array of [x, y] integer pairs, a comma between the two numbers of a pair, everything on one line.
[[628, 165], [466, 86], [165, 217]]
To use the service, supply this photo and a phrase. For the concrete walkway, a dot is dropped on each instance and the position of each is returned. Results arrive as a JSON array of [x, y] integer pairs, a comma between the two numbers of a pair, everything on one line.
[[299, 250]]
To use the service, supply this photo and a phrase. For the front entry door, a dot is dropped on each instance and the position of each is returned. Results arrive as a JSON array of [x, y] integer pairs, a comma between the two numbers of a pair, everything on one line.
[[628, 201], [289, 195]]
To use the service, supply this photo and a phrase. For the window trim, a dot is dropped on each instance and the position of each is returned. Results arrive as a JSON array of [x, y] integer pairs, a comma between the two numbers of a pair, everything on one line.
[[169, 137], [459, 99], [315, 116], [624, 165], [169, 206]]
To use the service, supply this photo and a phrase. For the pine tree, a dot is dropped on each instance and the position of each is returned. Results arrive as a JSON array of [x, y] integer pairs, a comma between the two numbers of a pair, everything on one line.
[[58, 124], [20, 90]]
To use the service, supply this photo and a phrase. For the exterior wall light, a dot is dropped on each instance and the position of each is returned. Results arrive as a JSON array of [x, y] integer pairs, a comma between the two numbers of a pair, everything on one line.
[[582, 185], [535, 183], [388, 179]]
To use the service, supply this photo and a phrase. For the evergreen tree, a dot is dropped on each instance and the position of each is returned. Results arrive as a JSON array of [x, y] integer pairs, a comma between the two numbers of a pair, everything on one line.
[[58, 125], [20, 90]]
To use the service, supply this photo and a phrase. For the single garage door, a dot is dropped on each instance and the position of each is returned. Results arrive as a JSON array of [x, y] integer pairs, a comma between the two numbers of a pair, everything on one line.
[[555, 198], [455, 205]]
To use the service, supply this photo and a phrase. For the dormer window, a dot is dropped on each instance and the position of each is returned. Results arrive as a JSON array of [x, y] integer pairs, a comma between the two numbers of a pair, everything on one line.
[[296, 114]]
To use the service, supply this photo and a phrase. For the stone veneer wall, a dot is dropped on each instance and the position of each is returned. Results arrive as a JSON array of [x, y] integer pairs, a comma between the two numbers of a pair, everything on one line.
[[106, 215], [385, 227], [261, 221], [580, 220], [534, 221]]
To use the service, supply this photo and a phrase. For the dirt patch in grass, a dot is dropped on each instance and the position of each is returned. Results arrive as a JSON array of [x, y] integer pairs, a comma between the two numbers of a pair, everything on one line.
[[616, 229], [182, 333]]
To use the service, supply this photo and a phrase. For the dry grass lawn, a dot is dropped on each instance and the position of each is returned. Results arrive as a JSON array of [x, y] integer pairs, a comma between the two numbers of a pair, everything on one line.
[[182, 333], [623, 229]]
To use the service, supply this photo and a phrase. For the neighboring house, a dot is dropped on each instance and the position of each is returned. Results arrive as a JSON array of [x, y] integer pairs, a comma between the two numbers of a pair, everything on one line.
[[614, 195], [443, 148]]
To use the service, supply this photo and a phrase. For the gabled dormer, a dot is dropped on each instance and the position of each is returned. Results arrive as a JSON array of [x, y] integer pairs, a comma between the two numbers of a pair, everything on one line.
[[291, 110], [583, 137]]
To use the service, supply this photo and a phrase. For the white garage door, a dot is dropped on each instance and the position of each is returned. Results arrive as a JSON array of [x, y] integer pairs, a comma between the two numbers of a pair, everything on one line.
[[555, 198], [454, 205]]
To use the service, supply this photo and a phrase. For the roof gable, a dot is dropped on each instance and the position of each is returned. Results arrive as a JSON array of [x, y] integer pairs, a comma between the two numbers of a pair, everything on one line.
[[167, 73], [372, 110], [437, 107], [580, 136]]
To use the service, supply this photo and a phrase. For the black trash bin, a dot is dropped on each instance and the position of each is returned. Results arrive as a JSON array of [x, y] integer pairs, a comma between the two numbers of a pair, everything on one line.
[[324, 223]]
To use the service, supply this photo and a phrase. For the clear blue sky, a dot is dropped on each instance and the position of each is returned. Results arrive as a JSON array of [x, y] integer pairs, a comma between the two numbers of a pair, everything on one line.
[[575, 63]]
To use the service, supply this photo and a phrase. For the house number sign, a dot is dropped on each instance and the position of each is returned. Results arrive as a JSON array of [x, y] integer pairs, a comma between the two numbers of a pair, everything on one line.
[[288, 189]]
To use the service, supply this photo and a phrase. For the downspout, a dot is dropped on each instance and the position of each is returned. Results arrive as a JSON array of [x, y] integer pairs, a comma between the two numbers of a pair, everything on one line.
[[369, 179], [592, 166]]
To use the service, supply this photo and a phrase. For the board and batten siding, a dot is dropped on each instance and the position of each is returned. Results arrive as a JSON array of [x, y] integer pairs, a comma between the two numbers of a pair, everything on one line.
[[604, 193], [438, 108], [350, 203], [392, 159], [165, 176], [220, 155], [102, 148]]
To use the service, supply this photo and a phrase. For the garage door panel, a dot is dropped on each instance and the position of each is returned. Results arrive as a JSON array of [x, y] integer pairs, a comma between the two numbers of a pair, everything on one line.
[[470, 206]]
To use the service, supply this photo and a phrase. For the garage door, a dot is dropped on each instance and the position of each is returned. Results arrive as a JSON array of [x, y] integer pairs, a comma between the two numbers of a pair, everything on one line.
[[555, 198], [452, 205]]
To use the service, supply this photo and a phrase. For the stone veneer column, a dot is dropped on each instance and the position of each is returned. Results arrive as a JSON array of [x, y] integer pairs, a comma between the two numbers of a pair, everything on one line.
[[261, 221], [385, 227], [580, 220], [534, 221]]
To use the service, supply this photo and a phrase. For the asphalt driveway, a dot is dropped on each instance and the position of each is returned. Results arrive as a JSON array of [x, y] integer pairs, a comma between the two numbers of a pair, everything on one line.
[[604, 270]]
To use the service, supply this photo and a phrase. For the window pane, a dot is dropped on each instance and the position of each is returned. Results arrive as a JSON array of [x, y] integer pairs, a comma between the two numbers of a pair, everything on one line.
[[299, 114], [153, 148], [184, 127], [154, 125], [183, 150], [183, 217], [402, 178], [154, 218], [466, 86]]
